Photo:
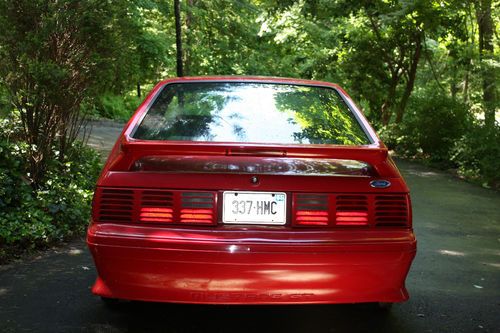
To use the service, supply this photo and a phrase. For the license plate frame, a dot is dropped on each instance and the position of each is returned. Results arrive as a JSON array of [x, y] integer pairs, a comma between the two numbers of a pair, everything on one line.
[[255, 212]]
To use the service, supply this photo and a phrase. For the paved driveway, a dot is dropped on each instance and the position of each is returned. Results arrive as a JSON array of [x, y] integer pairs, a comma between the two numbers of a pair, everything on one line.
[[454, 282]]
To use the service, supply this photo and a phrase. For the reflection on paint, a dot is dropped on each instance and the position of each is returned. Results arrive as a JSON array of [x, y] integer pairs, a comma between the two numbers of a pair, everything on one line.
[[253, 165], [294, 276]]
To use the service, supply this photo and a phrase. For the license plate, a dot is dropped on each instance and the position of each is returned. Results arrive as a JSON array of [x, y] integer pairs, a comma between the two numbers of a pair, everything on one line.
[[254, 207]]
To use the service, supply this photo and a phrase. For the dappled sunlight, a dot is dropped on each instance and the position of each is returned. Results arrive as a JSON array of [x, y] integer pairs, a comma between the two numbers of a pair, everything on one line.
[[74, 251], [425, 174], [494, 252], [492, 264], [452, 253]]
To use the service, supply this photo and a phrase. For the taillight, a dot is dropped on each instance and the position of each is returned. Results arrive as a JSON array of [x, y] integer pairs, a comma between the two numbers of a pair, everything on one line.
[[155, 206], [156, 214], [351, 210], [311, 210], [311, 217], [196, 216], [351, 218], [114, 205], [392, 210], [197, 207]]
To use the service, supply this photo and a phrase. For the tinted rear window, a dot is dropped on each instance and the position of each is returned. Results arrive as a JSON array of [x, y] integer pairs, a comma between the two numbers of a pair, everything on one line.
[[251, 112]]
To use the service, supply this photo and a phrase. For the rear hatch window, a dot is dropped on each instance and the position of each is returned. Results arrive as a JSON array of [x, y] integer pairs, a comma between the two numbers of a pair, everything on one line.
[[251, 113]]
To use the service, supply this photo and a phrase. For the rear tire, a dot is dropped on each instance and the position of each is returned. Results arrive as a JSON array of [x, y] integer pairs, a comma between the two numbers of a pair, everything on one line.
[[384, 306], [111, 303]]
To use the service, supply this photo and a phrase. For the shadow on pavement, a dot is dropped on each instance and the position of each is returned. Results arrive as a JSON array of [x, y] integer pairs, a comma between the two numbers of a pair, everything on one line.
[[156, 317]]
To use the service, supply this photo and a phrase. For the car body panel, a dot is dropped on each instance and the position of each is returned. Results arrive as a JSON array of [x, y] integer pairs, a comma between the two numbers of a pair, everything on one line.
[[241, 267], [250, 264]]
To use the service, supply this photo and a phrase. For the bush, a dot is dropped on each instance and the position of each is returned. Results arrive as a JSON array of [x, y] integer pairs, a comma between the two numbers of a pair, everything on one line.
[[477, 155], [432, 125], [119, 107], [440, 131], [58, 209]]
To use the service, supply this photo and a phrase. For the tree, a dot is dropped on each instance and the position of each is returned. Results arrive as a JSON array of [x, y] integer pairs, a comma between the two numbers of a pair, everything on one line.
[[56, 54], [373, 46]]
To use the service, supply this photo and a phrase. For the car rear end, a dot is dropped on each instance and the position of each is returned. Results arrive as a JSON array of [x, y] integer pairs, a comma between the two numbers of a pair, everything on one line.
[[188, 209]]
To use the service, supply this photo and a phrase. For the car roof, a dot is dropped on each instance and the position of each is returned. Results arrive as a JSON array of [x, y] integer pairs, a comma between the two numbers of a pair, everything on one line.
[[245, 78]]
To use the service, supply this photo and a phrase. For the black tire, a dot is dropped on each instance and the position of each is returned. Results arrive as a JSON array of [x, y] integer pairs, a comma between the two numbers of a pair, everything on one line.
[[384, 306], [111, 303]]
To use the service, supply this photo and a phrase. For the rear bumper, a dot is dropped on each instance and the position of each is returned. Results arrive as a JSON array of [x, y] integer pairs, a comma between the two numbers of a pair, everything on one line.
[[248, 267]]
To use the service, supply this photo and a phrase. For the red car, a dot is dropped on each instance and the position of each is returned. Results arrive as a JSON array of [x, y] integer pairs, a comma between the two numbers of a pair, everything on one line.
[[250, 190]]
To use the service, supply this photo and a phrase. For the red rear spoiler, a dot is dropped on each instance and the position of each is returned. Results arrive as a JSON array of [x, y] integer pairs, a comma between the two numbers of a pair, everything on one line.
[[126, 153]]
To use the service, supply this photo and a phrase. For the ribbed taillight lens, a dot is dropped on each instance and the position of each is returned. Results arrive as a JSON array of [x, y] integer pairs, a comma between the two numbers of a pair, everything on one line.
[[197, 207], [154, 206], [113, 205], [203, 216], [311, 210], [351, 210], [351, 218], [392, 211], [156, 214]]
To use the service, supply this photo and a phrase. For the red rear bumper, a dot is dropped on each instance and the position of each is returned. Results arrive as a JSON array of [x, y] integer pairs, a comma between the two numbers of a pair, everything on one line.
[[250, 267]]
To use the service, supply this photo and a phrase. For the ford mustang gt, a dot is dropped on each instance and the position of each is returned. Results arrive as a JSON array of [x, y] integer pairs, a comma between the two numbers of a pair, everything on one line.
[[250, 190]]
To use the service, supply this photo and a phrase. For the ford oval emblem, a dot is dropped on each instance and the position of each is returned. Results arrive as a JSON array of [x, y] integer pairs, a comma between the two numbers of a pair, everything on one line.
[[380, 183]]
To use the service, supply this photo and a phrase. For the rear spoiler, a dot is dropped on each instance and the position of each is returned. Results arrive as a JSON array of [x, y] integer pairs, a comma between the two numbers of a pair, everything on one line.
[[161, 154]]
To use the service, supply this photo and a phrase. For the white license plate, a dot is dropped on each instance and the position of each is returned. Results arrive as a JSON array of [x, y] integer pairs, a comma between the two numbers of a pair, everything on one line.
[[254, 207]]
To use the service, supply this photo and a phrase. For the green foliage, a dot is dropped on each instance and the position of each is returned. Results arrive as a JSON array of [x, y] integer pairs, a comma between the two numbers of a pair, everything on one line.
[[477, 155], [433, 124], [441, 131], [58, 54], [4, 101], [221, 38], [59, 208], [119, 107]]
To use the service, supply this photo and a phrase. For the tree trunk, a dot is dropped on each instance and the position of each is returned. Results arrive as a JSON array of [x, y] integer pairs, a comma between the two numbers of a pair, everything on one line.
[[386, 110], [178, 37], [410, 82], [465, 91], [189, 34], [486, 50]]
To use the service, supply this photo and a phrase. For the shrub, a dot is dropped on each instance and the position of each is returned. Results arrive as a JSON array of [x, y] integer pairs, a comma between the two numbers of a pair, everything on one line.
[[119, 107], [440, 131], [57, 209], [432, 125], [395, 137], [477, 155]]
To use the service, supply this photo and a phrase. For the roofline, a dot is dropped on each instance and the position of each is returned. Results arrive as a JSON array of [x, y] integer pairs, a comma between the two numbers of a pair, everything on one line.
[[250, 78]]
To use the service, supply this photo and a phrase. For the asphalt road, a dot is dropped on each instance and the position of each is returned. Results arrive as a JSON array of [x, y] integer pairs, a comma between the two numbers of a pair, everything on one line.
[[454, 282]]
